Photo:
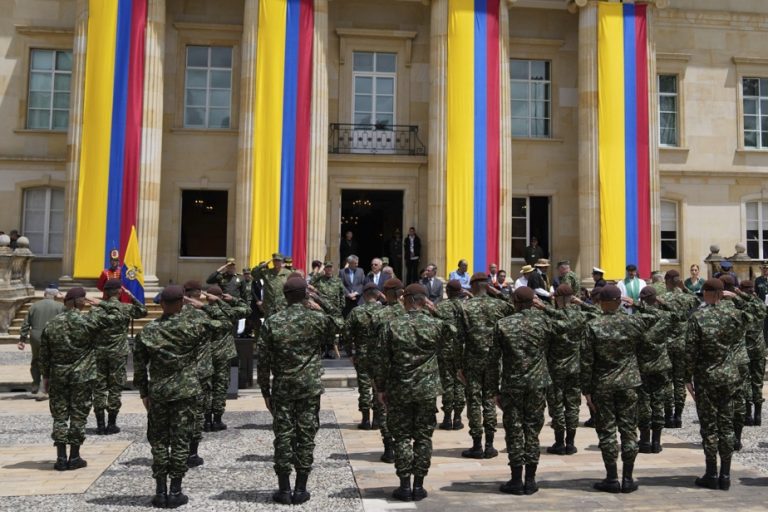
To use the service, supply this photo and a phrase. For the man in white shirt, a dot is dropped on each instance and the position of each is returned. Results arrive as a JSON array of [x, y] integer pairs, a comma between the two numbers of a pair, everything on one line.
[[376, 276], [631, 285]]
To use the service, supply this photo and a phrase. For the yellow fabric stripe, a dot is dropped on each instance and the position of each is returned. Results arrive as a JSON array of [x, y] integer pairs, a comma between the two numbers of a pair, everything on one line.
[[268, 129], [460, 132], [610, 49], [93, 181]]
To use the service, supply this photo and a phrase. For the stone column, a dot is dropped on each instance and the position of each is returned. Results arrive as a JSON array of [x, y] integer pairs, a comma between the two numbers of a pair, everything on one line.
[[589, 190], [653, 139], [438, 63], [244, 193], [151, 141], [318, 158], [505, 202], [74, 137]]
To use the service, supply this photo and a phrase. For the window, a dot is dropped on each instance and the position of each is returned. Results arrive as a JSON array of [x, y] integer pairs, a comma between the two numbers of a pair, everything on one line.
[[208, 87], [50, 75], [43, 220], [668, 110], [755, 96], [203, 223], [669, 231], [531, 98], [757, 229], [530, 217], [374, 75]]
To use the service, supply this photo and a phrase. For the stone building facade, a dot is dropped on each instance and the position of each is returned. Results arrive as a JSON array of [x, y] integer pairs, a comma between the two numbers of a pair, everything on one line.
[[709, 111]]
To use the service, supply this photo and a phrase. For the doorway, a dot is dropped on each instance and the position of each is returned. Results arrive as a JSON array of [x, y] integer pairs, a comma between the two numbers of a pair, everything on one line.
[[375, 218]]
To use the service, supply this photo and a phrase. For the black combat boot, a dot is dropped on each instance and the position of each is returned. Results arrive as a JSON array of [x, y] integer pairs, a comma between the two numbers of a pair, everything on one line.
[[758, 419], [194, 460], [628, 484], [376, 423], [160, 499], [748, 419], [457, 424], [591, 421], [283, 493], [217, 423], [365, 423], [644, 445], [656, 441], [669, 421], [611, 483], [490, 452], [447, 424], [724, 483], [176, 498], [419, 492], [678, 417], [559, 447], [112, 427], [101, 424], [75, 461], [737, 442], [61, 457], [530, 479], [389, 452], [570, 446], [403, 493], [207, 424], [709, 480], [476, 452], [300, 492], [515, 484]]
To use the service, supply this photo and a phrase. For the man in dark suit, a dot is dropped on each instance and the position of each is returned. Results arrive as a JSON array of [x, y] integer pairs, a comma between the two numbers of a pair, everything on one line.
[[353, 279], [347, 247], [412, 246], [433, 284], [377, 275]]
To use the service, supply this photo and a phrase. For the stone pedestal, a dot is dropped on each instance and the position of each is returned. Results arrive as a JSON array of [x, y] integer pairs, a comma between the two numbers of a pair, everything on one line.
[[15, 288]]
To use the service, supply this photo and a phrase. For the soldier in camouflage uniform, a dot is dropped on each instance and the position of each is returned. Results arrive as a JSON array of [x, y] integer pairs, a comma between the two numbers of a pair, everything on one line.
[[330, 287], [609, 380], [521, 342], [454, 397], [167, 349], [408, 381], [40, 313], [227, 310], [567, 276], [480, 316], [712, 377], [68, 369], [112, 352], [226, 278], [289, 350], [272, 280], [357, 327], [755, 344]]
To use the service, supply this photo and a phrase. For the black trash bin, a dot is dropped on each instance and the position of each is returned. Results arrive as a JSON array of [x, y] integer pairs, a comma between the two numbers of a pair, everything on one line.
[[244, 348]]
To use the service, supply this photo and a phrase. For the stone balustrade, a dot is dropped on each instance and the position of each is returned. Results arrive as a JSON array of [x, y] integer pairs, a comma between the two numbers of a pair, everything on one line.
[[15, 288]]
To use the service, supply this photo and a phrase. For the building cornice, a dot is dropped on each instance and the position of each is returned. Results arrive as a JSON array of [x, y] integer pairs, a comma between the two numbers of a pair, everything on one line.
[[712, 19], [30, 30]]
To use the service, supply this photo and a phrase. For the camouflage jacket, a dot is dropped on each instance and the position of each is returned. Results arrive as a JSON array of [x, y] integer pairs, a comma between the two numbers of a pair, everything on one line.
[[165, 355], [331, 289], [609, 358], [652, 354], [683, 304], [227, 313], [755, 339], [740, 348], [569, 327], [590, 311], [233, 284], [288, 348], [479, 318], [358, 331], [379, 321], [409, 345], [573, 280], [67, 350], [40, 313], [711, 337], [272, 288], [204, 356], [116, 316], [451, 311], [520, 342]]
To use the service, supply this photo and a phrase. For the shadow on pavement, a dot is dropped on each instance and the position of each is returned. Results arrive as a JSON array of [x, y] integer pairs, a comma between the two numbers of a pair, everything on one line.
[[255, 458], [672, 480], [143, 501], [32, 464], [139, 461], [244, 496], [761, 482], [253, 426], [694, 446]]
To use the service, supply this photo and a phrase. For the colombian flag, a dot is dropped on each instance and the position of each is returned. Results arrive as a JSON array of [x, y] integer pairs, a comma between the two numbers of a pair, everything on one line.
[[132, 273]]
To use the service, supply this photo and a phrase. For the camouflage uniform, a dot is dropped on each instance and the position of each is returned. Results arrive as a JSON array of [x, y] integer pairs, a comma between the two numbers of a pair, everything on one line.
[[232, 284], [289, 349], [521, 342], [572, 280], [683, 304], [655, 366], [357, 329], [454, 398], [332, 291], [564, 395], [204, 366], [68, 361], [409, 374], [40, 313], [168, 349], [272, 288], [755, 341], [112, 350]]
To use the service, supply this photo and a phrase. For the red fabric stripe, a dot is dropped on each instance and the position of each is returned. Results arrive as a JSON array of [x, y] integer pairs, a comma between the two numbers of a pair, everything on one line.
[[643, 145], [133, 119], [493, 133], [303, 120]]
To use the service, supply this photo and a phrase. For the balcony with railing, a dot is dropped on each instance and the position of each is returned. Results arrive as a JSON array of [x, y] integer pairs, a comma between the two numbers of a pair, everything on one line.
[[369, 139]]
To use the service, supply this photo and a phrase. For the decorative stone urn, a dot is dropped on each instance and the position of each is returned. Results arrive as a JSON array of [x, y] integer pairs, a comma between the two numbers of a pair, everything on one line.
[[15, 288]]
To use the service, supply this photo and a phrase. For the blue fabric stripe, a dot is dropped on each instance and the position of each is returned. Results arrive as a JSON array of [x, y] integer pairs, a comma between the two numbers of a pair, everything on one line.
[[480, 247], [630, 128], [117, 143], [288, 168]]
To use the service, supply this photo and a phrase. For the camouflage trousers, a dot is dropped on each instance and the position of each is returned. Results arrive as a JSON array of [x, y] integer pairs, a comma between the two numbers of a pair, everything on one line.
[[295, 424], [34, 366], [365, 397], [219, 384], [523, 418], [740, 397], [453, 398], [616, 410], [203, 405], [412, 424], [651, 397], [563, 402], [715, 407], [756, 376], [676, 396], [169, 430], [108, 386], [70, 404], [481, 403]]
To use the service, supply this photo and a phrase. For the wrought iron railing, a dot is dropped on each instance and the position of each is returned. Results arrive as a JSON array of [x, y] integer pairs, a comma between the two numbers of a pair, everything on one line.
[[375, 139]]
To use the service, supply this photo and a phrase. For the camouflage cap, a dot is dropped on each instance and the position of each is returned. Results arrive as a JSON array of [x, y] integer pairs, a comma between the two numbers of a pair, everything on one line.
[[215, 289], [78, 292], [172, 293], [246, 270], [478, 276], [192, 285], [288, 259], [393, 284], [328, 264], [524, 294], [713, 285], [415, 289], [648, 292], [277, 256], [230, 261], [113, 284], [610, 292], [454, 285], [295, 284], [564, 290]]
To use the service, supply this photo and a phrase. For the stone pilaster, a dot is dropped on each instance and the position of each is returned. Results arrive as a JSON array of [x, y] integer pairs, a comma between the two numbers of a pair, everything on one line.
[[244, 194], [505, 202], [151, 141], [653, 139], [318, 159]]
